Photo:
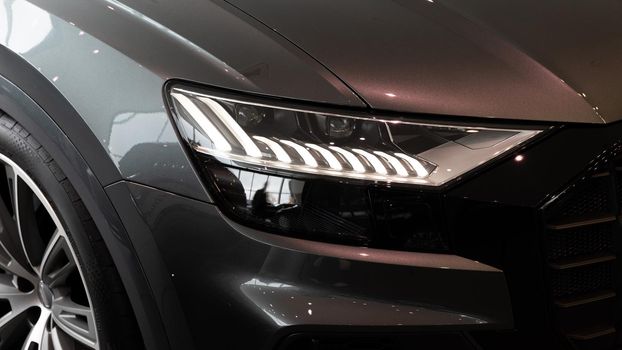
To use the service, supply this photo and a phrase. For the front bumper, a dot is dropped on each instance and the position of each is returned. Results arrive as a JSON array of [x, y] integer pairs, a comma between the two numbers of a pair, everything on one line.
[[244, 288], [241, 288]]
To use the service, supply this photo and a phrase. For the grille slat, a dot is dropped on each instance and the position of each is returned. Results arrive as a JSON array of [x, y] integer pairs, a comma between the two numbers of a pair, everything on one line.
[[581, 261], [593, 333], [585, 299], [570, 223]]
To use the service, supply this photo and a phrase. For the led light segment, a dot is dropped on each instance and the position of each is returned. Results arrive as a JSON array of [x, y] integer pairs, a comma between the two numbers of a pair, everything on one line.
[[373, 160], [330, 158], [306, 155], [399, 168], [205, 124], [351, 158], [278, 151], [415, 164], [222, 114]]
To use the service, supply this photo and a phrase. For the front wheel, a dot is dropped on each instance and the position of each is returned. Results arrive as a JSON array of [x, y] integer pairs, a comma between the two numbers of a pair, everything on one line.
[[58, 286]]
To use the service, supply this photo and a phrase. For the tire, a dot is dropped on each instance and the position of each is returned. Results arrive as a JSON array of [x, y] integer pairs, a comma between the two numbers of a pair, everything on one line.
[[48, 246]]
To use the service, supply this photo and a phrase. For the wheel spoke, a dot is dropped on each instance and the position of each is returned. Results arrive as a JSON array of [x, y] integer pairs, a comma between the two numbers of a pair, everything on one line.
[[8, 286], [50, 252], [12, 256], [11, 316], [47, 254], [15, 324], [11, 177], [75, 320], [37, 331], [13, 267], [46, 340], [18, 301], [60, 341], [59, 276], [58, 262], [42, 290], [26, 207]]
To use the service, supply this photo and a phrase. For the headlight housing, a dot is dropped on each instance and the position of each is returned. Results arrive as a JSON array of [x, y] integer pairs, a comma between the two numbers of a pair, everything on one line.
[[329, 175]]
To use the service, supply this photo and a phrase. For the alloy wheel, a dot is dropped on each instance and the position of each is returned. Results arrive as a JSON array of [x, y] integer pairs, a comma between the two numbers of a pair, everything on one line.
[[44, 302]]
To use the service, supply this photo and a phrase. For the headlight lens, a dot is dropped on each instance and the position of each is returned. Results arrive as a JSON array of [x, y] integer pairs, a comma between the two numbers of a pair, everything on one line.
[[280, 139], [328, 176]]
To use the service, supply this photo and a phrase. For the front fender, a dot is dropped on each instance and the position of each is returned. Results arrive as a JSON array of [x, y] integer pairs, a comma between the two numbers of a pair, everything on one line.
[[40, 123]]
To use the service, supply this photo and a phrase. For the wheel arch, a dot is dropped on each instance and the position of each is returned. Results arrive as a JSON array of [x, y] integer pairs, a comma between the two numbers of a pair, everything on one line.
[[29, 98]]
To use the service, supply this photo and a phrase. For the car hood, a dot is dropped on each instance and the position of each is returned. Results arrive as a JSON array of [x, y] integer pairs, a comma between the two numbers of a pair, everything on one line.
[[529, 59]]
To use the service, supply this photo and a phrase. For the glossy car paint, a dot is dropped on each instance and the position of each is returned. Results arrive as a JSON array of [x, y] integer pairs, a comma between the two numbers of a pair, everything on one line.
[[87, 76], [519, 60], [272, 286]]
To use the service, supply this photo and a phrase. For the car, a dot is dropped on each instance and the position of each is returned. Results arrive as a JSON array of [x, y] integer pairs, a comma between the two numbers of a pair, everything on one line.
[[310, 175]]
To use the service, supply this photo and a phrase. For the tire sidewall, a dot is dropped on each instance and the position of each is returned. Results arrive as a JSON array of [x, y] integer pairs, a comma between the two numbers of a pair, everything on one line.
[[17, 145]]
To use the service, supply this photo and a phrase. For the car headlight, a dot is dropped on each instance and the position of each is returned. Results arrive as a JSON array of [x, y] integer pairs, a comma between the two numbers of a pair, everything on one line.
[[327, 175]]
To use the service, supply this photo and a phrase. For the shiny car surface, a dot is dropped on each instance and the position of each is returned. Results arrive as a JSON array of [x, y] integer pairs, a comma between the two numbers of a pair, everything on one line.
[[328, 174]]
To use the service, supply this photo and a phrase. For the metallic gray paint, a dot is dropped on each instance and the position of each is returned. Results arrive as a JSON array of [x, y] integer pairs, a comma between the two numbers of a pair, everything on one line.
[[171, 314], [96, 55], [532, 60], [110, 92], [104, 63], [164, 39], [270, 286], [406, 50], [369, 255]]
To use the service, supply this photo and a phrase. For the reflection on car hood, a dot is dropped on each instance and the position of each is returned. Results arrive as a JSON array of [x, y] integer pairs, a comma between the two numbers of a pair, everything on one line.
[[528, 59]]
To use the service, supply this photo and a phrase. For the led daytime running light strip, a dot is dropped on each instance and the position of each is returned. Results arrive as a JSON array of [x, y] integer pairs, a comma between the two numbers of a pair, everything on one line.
[[360, 163]]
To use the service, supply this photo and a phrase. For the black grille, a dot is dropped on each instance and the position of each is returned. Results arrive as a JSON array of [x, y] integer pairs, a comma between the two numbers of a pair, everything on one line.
[[579, 241], [584, 280], [590, 197], [581, 229]]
